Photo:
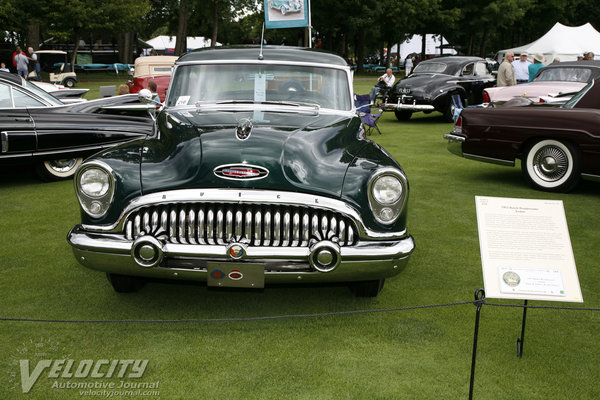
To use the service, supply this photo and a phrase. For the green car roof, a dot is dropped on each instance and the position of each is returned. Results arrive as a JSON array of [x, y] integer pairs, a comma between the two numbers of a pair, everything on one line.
[[279, 53]]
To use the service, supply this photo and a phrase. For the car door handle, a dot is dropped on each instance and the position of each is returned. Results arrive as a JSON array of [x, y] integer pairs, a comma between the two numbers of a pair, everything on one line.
[[25, 119], [4, 139]]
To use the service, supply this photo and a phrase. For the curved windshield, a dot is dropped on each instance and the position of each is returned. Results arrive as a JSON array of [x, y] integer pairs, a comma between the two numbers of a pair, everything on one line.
[[573, 100], [43, 94], [431, 67], [565, 74], [251, 83]]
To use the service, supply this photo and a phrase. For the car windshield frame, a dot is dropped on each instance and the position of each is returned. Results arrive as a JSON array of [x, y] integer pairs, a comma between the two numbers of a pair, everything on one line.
[[247, 83]]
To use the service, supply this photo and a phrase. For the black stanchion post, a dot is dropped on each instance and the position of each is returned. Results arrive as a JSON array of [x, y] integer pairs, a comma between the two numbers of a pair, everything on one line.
[[522, 338], [479, 301]]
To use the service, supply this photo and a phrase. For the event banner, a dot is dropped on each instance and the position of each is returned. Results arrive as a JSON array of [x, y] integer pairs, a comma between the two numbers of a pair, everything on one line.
[[526, 250], [286, 13]]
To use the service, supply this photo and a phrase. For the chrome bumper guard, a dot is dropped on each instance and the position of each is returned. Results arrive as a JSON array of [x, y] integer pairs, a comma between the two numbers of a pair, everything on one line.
[[148, 257], [455, 144]]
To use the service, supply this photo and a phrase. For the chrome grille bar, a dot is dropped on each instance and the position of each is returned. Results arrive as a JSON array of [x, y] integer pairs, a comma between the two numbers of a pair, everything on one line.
[[256, 225]]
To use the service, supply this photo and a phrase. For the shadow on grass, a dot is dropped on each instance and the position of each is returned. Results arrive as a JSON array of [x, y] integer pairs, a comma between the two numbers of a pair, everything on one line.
[[18, 175]]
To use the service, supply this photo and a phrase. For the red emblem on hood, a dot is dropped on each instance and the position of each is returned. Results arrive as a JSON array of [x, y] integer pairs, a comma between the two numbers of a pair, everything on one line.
[[241, 172]]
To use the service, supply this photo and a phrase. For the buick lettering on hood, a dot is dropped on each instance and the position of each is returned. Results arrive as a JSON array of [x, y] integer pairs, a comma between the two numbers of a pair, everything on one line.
[[258, 172]]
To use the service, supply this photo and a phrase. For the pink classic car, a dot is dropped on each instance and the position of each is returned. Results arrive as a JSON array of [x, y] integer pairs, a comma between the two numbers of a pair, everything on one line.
[[550, 81]]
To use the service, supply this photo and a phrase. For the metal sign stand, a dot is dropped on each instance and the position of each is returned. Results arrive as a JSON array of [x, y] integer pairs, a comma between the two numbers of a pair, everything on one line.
[[522, 338], [479, 301]]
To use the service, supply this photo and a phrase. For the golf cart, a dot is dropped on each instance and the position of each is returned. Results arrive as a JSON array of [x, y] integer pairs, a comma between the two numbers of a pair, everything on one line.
[[56, 61]]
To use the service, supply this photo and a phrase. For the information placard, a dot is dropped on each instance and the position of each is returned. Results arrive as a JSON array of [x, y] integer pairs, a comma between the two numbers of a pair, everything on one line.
[[526, 250]]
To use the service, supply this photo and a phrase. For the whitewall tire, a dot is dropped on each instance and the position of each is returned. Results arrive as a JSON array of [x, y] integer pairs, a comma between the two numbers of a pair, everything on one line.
[[552, 165]]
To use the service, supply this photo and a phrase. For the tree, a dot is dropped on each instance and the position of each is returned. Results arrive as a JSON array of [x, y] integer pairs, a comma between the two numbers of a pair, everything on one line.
[[72, 18]]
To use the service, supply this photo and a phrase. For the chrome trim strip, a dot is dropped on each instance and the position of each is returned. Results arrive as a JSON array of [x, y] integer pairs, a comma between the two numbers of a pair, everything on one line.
[[591, 177], [268, 62], [236, 196], [4, 139], [508, 163]]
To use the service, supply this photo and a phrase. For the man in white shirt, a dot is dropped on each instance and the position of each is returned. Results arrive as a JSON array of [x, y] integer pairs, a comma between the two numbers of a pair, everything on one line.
[[521, 67], [388, 78]]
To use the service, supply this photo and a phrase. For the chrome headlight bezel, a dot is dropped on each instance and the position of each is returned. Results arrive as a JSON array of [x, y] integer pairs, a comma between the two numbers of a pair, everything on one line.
[[96, 206], [386, 213]]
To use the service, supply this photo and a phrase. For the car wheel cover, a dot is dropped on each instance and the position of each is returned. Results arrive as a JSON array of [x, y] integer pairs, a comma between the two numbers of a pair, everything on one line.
[[549, 163], [62, 167]]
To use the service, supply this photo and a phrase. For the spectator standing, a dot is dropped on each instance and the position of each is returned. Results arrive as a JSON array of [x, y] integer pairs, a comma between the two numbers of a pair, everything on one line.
[[36, 63], [521, 67], [580, 57], [408, 64], [22, 63], [153, 88], [3, 68], [506, 72], [17, 51], [538, 60], [589, 55]]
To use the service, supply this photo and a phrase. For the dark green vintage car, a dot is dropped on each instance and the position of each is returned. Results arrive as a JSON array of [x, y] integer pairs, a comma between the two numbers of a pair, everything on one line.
[[258, 172]]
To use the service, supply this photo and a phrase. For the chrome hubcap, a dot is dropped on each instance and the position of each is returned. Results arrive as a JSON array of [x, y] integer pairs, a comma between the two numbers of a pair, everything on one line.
[[550, 163], [63, 165]]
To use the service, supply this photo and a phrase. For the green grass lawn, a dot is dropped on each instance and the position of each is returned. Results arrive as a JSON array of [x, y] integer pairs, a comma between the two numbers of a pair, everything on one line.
[[417, 354]]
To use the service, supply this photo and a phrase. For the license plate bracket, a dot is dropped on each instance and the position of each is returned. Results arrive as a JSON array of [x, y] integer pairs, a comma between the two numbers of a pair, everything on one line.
[[240, 275]]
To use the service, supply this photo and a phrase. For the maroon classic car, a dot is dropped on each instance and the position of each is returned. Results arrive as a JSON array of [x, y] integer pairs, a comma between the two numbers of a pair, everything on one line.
[[557, 145]]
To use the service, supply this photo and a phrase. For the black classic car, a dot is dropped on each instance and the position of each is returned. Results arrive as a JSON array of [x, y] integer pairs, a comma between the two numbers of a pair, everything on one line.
[[258, 172], [433, 82], [36, 127], [557, 145]]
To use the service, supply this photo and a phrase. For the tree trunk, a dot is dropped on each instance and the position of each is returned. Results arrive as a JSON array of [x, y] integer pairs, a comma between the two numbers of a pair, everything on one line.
[[33, 35], [181, 41], [484, 41], [423, 46], [213, 40], [360, 44]]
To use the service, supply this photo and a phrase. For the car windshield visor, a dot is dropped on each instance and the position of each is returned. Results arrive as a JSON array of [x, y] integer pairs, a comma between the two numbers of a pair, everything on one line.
[[327, 88]]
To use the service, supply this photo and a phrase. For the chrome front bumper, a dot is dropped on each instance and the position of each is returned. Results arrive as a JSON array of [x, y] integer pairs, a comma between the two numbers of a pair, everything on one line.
[[364, 261]]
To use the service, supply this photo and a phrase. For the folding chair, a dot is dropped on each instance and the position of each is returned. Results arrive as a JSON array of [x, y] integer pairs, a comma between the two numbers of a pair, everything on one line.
[[365, 112]]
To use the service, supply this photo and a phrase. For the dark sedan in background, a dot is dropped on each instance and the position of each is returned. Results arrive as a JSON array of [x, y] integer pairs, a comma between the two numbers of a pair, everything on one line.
[[433, 82], [36, 127], [557, 145]]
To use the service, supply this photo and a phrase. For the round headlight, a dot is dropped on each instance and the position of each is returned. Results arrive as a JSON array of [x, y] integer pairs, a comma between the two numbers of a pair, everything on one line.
[[94, 182], [387, 189]]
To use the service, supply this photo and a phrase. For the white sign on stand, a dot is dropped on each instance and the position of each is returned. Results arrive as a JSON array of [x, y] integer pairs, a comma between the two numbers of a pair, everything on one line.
[[526, 250]]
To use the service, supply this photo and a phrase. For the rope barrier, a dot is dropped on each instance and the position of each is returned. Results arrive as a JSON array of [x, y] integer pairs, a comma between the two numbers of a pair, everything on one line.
[[477, 302]]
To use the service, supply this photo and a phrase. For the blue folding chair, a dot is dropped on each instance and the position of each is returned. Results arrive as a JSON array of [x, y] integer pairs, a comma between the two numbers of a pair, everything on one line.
[[365, 112]]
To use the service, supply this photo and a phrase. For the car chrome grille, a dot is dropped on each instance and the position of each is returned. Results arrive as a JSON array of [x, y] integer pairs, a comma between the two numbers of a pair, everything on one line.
[[256, 225]]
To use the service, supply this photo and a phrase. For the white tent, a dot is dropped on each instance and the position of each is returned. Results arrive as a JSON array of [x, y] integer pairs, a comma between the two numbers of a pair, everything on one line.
[[564, 42], [167, 43], [414, 44]]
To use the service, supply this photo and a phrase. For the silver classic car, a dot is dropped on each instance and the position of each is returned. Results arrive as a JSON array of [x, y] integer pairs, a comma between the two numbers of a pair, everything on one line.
[[258, 172]]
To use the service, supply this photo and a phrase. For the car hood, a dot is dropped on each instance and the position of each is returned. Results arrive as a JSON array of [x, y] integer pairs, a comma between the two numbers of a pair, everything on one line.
[[532, 90], [308, 153]]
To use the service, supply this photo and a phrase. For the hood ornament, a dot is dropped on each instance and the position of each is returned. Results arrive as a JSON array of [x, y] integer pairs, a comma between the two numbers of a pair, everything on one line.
[[244, 129]]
